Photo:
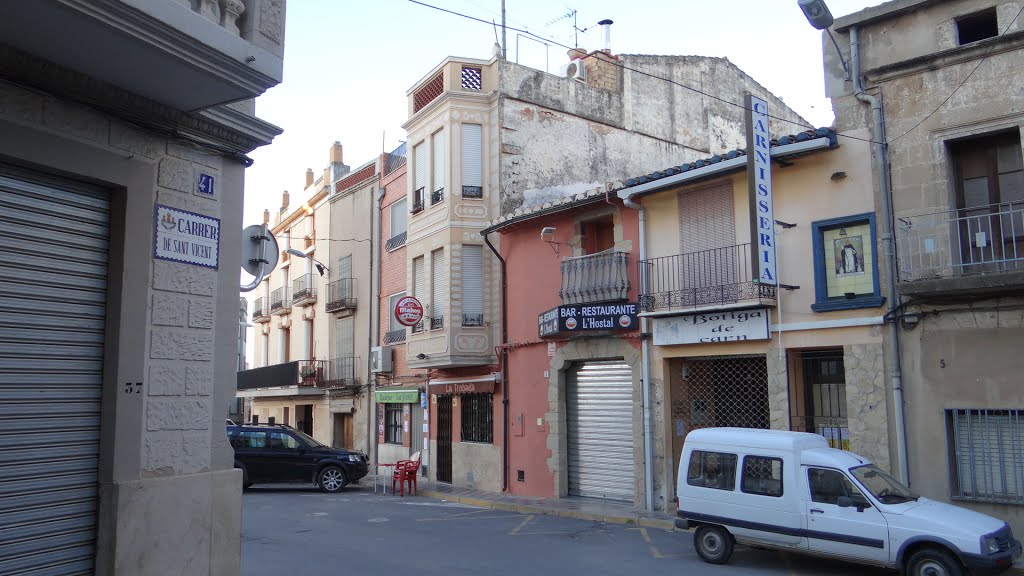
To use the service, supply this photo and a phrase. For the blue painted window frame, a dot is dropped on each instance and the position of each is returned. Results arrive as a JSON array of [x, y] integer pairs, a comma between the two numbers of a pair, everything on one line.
[[822, 302]]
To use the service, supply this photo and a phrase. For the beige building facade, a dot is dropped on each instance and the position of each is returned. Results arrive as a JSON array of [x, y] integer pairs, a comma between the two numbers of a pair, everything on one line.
[[948, 101], [121, 188]]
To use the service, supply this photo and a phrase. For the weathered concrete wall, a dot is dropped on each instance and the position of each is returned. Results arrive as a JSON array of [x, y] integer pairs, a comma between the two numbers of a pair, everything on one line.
[[560, 136]]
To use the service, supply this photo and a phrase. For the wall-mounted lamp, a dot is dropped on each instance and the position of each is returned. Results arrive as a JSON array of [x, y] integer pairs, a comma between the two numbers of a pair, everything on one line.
[[547, 234], [820, 18], [910, 320], [421, 356], [320, 267]]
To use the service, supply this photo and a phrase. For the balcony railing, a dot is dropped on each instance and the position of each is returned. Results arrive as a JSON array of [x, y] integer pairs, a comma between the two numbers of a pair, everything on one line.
[[436, 196], [472, 319], [437, 322], [961, 242], [303, 290], [312, 373], [417, 201], [343, 373], [394, 336], [341, 295], [706, 279], [595, 278], [396, 241], [261, 310], [472, 191], [417, 327], [280, 303]]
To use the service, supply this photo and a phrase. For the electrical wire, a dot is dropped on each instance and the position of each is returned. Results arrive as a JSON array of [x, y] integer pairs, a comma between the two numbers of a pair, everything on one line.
[[959, 86], [640, 72]]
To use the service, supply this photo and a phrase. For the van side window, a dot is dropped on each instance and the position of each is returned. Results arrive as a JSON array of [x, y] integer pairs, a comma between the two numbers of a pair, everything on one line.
[[712, 470], [762, 475], [828, 485]]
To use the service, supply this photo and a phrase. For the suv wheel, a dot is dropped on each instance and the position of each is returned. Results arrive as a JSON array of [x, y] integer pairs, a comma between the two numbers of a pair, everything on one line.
[[332, 479]]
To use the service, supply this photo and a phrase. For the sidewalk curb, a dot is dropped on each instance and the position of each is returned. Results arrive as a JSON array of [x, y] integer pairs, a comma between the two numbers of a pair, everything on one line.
[[626, 519]]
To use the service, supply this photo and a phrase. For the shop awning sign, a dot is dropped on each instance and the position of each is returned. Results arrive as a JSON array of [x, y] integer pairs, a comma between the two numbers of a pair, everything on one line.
[[712, 327], [577, 318], [398, 396]]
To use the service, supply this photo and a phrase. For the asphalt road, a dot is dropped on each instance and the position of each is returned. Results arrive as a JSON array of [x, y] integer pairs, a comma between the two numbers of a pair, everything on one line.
[[296, 531]]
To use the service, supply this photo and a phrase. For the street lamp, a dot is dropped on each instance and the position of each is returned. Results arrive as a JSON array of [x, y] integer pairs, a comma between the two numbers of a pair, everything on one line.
[[820, 18], [320, 267]]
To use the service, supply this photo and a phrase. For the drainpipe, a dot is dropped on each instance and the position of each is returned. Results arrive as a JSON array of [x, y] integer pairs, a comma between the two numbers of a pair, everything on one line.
[[645, 367], [376, 306], [881, 161], [504, 364]]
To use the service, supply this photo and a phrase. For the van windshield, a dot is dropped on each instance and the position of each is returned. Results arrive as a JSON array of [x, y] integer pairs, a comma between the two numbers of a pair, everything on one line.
[[885, 488]]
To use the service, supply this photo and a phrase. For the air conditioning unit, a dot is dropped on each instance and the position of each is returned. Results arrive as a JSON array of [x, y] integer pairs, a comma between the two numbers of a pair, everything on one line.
[[574, 69], [380, 359]]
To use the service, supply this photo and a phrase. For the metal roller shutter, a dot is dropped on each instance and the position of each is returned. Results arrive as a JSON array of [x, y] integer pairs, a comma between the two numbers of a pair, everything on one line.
[[53, 251], [438, 150], [599, 414], [438, 294], [472, 285], [472, 155]]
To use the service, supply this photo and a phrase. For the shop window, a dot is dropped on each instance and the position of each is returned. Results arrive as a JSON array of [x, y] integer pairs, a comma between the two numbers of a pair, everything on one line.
[[477, 418], [845, 267], [977, 26], [986, 455], [393, 423], [762, 475], [712, 470]]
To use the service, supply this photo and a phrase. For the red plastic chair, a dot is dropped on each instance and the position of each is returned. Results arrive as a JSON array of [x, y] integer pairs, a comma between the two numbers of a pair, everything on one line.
[[406, 472]]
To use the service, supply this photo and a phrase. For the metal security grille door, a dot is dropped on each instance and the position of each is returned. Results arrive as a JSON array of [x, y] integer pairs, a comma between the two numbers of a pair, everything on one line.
[[730, 391], [444, 439], [53, 252], [599, 417]]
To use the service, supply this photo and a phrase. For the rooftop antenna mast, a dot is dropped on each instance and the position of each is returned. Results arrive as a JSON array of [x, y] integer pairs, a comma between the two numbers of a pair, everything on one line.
[[576, 29]]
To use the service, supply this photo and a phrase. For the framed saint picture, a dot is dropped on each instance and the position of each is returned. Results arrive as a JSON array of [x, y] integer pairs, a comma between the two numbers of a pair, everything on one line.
[[845, 266]]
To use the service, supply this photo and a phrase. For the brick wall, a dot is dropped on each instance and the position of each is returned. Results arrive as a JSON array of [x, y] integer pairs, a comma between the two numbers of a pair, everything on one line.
[[393, 264]]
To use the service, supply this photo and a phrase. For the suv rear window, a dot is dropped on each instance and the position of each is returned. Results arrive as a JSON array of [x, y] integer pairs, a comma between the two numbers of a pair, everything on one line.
[[712, 470], [247, 438]]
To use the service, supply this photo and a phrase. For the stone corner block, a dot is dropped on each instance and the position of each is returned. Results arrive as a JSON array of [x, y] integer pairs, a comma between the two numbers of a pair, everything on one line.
[[171, 344], [184, 278], [199, 380], [176, 174], [178, 413], [166, 379], [200, 313], [168, 310]]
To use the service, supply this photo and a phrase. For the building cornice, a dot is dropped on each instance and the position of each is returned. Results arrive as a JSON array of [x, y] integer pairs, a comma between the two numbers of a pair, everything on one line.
[[958, 55]]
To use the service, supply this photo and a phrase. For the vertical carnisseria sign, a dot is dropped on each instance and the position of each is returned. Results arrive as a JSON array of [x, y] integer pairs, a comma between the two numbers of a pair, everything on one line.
[[759, 176]]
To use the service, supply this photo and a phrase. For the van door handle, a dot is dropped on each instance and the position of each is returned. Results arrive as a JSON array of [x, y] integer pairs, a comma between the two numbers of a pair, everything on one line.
[[817, 511]]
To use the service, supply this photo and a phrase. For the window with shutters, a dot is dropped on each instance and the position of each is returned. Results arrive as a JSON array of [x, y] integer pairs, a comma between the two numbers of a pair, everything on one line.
[[477, 417], [399, 224], [986, 454], [393, 423], [438, 294], [419, 286], [419, 171], [472, 161], [472, 286], [437, 149], [396, 330]]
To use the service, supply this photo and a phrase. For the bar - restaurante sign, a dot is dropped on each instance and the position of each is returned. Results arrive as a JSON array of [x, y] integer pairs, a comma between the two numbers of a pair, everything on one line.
[[588, 318]]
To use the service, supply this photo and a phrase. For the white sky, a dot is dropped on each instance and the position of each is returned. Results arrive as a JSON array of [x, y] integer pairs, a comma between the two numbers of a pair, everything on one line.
[[349, 63]]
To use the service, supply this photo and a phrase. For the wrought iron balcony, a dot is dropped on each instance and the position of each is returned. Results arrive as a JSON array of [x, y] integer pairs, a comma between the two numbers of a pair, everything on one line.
[[437, 322], [472, 191], [701, 280], [280, 302], [417, 201], [396, 241], [597, 277], [417, 327], [261, 310], [961, 243], [343, 373], [472, 319], [436, 196], [394, 336], [304, 290], [341, 295], [312, 372]]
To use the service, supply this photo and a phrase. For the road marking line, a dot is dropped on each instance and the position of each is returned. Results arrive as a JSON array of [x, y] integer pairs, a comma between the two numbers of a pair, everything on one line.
[[468, 518], [646, 536], [521, 524]]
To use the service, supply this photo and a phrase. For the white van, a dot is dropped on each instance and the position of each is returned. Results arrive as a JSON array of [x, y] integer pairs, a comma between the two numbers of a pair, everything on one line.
[[789, 490]]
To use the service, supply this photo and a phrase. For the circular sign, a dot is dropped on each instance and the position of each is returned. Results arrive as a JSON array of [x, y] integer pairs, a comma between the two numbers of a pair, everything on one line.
[[408, 310], [570, 323], [624, 321]]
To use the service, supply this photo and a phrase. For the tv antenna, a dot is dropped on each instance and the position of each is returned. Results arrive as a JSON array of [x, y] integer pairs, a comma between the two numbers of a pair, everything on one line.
[[576, 29]]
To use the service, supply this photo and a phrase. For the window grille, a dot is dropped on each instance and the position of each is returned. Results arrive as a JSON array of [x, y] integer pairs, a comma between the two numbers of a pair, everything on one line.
[[428, 93], [472, 78], [725, 391], [392, 423], [986, 455], [477, 418]]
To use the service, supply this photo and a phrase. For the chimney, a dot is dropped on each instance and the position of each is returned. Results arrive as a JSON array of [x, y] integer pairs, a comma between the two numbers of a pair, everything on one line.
[[336, 157], [607, 25], [309, 177], [284, 201], [266, 216]]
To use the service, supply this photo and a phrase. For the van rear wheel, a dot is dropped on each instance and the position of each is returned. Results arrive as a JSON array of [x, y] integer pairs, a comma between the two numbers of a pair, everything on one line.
[[713, 543], [933, 562]]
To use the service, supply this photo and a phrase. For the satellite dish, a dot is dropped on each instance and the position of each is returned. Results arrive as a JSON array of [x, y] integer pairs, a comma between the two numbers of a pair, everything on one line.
[[259, 253]]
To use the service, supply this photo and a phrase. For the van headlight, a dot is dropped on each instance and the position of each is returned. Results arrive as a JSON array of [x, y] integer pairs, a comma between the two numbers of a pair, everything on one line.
[[989, 545]]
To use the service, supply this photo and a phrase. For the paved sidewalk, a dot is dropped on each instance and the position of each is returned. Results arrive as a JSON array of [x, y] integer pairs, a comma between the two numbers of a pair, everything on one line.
[[610, 512]]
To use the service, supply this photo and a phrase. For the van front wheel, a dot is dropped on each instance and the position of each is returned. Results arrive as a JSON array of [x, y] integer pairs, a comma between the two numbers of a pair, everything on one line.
[[933, 562], [713, 543]]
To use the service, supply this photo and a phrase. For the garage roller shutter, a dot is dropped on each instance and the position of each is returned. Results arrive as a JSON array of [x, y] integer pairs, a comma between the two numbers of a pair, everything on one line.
[[53, 253], [599, 414]]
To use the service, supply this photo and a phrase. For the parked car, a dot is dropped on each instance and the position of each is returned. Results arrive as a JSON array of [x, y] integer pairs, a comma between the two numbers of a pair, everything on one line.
[[276, 453], [791, 491]]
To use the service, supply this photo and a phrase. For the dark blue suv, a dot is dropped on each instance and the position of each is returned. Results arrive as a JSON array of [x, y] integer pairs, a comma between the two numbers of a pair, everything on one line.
[[275, 453]]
